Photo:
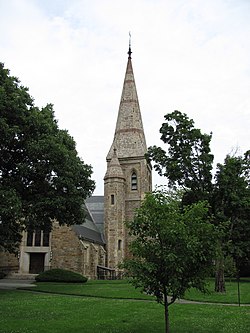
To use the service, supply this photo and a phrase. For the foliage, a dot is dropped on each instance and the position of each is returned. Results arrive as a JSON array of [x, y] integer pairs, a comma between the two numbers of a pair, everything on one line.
[[187, 162], [231, 202], [41, 176], [60, 275], [230, 267], [172, 247]]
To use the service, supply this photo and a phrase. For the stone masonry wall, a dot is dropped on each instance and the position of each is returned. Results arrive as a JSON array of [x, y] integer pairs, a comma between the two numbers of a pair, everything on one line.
[[8, 262], [69, 252], [66, 249]]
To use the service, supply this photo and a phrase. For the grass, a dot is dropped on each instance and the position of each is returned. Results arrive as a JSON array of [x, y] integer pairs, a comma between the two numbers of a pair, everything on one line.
[[27, 312], [103, 289], [121, 289], [231, 295], [115, 306]]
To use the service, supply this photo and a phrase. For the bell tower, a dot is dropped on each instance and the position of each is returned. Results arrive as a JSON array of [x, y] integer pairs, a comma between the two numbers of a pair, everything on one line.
[[128, 175]]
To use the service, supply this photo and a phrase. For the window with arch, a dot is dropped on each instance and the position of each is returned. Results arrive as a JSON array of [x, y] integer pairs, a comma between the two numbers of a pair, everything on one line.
[[134, 181], [119, 244], [112, 198]]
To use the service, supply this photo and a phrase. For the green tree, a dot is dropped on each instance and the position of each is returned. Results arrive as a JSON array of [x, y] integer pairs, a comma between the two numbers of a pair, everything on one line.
[[187, 162], [41, 176], [231, 202], [171, 248]]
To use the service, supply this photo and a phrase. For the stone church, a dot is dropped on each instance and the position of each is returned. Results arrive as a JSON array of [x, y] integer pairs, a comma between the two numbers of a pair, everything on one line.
[[96, 247]]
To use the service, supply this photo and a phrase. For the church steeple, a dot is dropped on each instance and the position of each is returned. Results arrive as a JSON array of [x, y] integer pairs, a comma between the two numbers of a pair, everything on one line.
[[129, 138], [128, 175]]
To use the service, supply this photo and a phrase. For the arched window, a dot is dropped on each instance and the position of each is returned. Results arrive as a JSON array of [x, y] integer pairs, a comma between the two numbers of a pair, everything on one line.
[[119, 244], [112, 199], [134, 181]]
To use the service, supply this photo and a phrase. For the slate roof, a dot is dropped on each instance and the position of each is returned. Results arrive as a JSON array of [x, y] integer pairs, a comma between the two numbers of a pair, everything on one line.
[[92, 229], [95, 205], [89, 234]]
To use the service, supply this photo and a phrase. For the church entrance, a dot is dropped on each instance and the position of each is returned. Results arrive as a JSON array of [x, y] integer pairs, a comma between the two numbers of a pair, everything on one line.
[[36, 263]]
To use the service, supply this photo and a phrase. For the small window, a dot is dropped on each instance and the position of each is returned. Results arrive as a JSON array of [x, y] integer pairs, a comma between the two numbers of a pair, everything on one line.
[[112, 199], [38, 238], [119, 244], [133, 181], [29, 238], [45, 238]]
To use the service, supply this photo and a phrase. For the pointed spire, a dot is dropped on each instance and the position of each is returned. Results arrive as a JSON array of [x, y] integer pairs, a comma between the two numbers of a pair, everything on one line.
[[114, 169], [129, 138], [129, 49]]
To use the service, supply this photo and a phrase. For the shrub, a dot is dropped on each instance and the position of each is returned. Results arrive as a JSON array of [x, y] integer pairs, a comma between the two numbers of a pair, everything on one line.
[[60, 275]]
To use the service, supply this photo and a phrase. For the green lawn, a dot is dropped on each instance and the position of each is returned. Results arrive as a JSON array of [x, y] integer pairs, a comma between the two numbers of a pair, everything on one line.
[[122, 289], [107, 289], [27, 312], [231, 295]]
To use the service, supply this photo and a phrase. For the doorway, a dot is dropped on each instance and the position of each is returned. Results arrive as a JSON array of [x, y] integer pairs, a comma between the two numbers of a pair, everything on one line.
[[36, 263]]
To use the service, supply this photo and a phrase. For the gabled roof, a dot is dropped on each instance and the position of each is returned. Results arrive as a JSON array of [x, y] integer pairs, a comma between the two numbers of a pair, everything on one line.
[[89, 234], [89, 230], [95, 205]]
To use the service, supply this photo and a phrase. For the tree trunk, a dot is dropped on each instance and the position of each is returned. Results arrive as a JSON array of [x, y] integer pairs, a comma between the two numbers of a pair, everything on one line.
[[167, 326], [219, 276]]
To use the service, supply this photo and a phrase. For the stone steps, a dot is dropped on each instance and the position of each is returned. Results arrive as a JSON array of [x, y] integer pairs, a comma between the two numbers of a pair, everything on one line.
[[20, 276]]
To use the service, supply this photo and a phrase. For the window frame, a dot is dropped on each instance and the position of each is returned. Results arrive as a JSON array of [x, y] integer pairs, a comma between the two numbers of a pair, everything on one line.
[[134, 181]]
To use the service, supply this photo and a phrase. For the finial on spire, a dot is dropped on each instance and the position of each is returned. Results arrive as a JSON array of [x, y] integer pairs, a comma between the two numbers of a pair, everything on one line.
[[129, 49]]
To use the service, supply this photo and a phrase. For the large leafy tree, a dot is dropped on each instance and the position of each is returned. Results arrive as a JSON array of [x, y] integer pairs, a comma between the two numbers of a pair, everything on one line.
[[171, 248], [41, 176], [187, 163], [231, 202]]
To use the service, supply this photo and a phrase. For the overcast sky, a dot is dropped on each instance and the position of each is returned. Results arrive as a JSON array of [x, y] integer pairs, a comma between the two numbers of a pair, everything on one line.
[[188, 55]]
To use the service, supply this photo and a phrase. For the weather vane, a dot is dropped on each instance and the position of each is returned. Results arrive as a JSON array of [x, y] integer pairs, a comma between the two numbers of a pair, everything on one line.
[[129, 50]]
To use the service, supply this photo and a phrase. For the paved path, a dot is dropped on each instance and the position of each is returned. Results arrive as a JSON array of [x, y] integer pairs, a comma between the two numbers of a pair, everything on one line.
[[15, 283]]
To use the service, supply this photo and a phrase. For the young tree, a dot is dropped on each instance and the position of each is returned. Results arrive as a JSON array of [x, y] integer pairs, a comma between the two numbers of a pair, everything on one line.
[[171, 248], [41, 176]]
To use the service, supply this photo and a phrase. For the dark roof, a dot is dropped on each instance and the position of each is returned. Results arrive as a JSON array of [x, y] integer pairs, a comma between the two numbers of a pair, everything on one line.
[[95, 205], [92, 228], [89, 234], [95, 199]]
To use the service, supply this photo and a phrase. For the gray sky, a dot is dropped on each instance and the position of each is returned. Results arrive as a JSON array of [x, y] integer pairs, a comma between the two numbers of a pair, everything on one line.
[[188, 55]]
